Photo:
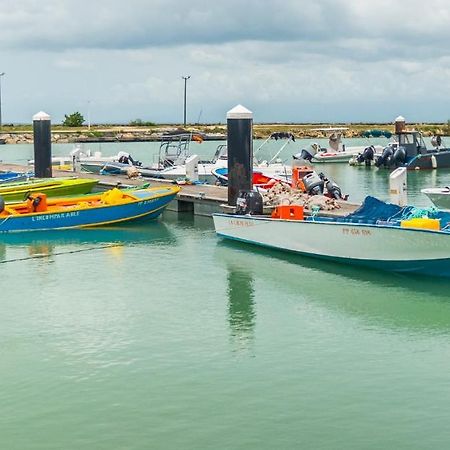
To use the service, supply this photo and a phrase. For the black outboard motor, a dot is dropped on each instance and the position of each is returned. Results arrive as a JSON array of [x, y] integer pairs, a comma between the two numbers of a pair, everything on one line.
[[399, 155], [304, 154], [386, 157], [249, 202], [2, 204], [366, 156], [333, 189], [314, 183]]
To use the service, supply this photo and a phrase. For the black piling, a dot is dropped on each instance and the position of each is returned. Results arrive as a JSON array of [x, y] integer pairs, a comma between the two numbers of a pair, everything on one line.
[[240, 151], [42, 145]]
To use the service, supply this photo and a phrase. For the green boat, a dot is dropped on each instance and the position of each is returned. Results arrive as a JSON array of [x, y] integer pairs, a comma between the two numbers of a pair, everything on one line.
[[52, 187]]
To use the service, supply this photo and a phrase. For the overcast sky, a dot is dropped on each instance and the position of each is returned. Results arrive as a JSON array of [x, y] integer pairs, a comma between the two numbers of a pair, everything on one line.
[[286, 60]]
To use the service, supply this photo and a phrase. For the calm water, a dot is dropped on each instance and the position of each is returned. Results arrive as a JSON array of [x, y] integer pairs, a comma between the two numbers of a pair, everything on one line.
[[162, 336]]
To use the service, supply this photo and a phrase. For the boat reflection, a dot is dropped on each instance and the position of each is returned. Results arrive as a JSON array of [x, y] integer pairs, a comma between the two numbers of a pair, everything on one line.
[[380, 298], [241, 308], [46, 243]]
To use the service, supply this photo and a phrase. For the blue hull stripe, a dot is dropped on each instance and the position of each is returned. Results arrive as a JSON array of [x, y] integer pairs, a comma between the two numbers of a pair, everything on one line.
[[435, 267]]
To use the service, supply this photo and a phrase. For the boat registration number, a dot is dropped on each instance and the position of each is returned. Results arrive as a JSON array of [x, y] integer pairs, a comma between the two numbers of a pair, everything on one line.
[[356, 232]]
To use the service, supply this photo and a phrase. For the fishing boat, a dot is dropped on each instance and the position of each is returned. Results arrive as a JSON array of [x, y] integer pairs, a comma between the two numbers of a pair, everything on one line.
[[408, 149], [439, 196], [52, 187], [113, 206], [378, 235], [9, 176]]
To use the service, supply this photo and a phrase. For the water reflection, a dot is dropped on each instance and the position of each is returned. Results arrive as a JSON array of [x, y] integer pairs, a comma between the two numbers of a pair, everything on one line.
[[380, 299], [241, 304], [47, 243]]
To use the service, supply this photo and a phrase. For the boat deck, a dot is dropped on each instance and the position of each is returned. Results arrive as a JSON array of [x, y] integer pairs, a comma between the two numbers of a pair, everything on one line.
[[197, 199]]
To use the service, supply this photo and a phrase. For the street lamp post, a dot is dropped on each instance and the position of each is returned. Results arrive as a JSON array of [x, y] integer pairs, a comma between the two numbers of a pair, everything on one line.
[[185, 85], [89, 114], [1, 75]]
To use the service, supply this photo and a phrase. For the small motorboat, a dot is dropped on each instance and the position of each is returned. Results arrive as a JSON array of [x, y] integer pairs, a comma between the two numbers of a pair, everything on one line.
[[52, 187], [439, 196], [337, 151], [113, 206], [377, 235], [9, 176]]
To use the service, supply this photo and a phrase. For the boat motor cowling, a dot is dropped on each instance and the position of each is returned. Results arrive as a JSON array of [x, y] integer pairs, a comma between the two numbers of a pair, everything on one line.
[[366, 156], [386, 157], [2, 204], [249, 202], [399, 155], [313, 183], [304, 154], [334, 191]]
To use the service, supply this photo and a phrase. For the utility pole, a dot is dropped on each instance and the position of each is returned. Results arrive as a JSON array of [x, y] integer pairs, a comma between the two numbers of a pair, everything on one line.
[[185, 85], [1, 75], [89, 114]]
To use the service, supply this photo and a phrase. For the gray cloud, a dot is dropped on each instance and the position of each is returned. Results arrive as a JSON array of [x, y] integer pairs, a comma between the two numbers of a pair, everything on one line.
[[287, 60]]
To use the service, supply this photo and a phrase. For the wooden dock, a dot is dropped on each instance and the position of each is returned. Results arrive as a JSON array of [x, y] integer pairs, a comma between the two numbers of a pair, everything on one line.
[[196, 199]]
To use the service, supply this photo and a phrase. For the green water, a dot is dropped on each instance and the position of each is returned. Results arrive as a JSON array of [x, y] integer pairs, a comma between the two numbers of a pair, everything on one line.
[[161, 336]]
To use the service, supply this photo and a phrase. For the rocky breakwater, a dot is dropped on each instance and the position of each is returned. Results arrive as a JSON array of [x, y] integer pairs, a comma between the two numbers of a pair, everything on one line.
[[73, 137]]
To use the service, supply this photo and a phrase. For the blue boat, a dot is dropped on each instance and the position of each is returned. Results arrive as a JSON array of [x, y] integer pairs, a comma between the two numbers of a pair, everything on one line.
[[113, 206], [9, 176]]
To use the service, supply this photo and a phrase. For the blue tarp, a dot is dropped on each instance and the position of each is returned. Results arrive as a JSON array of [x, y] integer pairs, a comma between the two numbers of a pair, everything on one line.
[[376, 211]]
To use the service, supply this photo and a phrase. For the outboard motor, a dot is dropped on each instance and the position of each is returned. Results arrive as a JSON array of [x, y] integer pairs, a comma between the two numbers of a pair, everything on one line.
[[399, 155], [249, 202], [313, 183], [308, 154], [386, 157], [304, 154], [334, 191], [436, 141], [366, 156], [2, 204]]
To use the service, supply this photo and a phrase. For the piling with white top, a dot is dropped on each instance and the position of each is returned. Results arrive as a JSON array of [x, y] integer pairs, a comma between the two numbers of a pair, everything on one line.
[[240, 151], [398, 188], [42, 145]]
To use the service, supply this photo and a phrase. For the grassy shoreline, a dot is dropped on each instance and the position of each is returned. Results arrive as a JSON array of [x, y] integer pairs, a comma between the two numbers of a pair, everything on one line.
[[129, 133]]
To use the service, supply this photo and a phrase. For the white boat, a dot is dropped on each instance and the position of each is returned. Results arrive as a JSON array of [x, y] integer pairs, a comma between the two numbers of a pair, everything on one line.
[[379, 240], [439, 196], [175, 151], [79, 155], [344, 155], [337, 151]]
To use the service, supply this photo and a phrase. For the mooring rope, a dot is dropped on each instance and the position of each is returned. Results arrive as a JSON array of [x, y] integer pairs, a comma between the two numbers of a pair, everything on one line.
[[41, 255]]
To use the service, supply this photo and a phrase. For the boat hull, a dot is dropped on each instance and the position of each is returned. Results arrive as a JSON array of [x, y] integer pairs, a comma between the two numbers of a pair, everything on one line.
[[381, 247], [439, 196], [430, 160], [342, 156], [52, 187], [149, 205]]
